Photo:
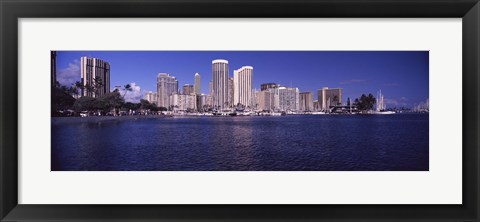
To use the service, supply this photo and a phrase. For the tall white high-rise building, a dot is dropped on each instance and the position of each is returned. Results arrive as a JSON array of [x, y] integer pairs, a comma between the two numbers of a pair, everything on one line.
[[95, 74], [198, 82], [220, 83], [166, 86], [243, 86]]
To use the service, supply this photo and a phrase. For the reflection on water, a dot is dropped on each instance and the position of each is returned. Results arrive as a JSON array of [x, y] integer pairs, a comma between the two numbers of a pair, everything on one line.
[[287, 143]]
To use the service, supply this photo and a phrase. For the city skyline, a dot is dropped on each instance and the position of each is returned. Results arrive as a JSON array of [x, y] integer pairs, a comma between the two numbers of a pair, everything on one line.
[[401, 75]]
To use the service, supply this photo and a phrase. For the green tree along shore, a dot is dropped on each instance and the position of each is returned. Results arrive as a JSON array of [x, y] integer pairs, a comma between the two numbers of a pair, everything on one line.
[[365, 103], [113, 103]]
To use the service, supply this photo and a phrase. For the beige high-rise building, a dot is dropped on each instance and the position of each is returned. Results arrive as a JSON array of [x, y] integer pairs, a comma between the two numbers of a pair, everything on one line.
[[254, 99], [220, 83], [329, 97], [315, 105], [264, 100], [280, 98], [306, 101], [274, 98], [243, 86], [95, 74], [197, 84], [166, 86]]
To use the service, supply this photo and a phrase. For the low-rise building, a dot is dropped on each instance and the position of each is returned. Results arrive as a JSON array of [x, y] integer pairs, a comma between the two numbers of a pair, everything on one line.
[[183, 102], [151, 97]]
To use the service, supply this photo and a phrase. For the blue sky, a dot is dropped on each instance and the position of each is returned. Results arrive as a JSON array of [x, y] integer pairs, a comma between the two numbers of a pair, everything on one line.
[[401, 75]]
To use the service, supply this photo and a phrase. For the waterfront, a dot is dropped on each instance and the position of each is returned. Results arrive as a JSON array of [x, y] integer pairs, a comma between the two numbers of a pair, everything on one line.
[[285, 143]]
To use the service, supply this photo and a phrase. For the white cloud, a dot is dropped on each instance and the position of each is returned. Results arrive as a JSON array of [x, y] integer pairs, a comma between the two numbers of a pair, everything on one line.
[[69, 75], [353, 81], [133, 96]]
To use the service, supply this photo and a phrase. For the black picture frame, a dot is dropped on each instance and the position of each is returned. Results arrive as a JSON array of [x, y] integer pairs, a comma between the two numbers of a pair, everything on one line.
[[11, 11]]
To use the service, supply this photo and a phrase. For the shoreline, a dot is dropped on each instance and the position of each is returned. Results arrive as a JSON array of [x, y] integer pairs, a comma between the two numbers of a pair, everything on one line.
[[96, 119]]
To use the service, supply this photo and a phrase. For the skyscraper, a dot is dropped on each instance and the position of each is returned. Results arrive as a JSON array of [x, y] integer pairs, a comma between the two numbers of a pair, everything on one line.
[[210, 88], [254, 100], [230, 92], [266, 86], [166, 86], [288, 99], [242, 81], [272, 102], [188, 89], [306, 101], [267, 98], [315, 105], [95, 74], [264, 100], [329, 97], [198, 82], [220, 83], [201, 102]]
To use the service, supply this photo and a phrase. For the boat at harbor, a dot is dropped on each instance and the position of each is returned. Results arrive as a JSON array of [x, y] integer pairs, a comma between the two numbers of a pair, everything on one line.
[[381, 106], [384, 112]]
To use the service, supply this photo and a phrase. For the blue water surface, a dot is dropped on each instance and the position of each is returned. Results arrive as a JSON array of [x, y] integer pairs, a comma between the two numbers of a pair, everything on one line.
[[285, 143]]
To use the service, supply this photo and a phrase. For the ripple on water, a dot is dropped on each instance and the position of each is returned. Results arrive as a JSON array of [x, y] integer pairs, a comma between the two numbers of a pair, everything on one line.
[[320, 143]]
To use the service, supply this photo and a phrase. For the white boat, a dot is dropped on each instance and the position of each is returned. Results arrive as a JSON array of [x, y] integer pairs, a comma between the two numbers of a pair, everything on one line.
[[318, 113], [381, 106], [383, 112]]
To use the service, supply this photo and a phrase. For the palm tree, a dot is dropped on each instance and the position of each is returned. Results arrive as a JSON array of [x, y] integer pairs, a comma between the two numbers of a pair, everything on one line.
[[98, 83], [89, 88], [127, 88], [75, 89]]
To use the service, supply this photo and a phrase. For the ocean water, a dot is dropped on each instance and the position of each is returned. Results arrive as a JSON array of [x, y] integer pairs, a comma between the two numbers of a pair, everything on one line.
[[397, 142]]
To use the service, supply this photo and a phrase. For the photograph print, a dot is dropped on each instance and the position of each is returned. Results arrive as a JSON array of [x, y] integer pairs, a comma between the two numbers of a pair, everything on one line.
[[239, 110]]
